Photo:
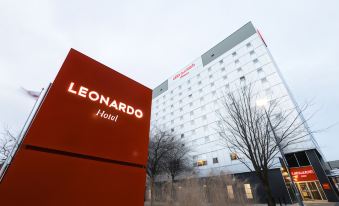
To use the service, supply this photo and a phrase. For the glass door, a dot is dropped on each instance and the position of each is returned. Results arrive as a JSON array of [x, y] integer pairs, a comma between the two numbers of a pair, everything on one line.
[[314, 190], [304, 190]]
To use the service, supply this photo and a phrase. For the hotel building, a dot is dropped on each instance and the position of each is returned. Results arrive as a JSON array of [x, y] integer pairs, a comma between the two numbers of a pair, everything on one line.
[[187, 102]]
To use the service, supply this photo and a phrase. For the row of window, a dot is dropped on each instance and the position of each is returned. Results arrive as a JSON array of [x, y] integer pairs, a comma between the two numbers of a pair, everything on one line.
[[215, 160], [190, 95], [252, 52], [239, 69], [213, 92]]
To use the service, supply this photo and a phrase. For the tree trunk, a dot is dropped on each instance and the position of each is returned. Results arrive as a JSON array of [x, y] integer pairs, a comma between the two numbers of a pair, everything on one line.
[[152, 191], [172, 190], [267, 188]]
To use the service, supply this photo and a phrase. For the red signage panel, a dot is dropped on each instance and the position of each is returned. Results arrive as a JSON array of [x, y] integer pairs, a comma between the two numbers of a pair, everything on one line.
[[87, 144], [94, 110], [300, 174], [44, 179]]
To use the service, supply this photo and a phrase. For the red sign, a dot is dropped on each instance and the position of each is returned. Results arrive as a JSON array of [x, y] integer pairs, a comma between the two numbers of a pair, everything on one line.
[[88, 142], [184, 72], [326, 186], [300, 174]]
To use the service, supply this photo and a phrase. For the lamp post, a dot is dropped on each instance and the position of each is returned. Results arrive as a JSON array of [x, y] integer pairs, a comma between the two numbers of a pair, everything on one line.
[[263, 103]]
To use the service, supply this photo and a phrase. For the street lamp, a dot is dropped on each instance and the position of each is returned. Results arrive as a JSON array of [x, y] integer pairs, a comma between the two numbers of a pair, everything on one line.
[[263, 103]]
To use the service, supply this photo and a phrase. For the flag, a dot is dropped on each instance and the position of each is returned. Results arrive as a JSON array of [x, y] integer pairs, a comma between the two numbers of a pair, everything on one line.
[[33, 94]]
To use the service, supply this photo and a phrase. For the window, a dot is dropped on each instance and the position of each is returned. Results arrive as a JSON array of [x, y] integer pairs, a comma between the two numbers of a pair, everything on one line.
[[242, 79], [172, 121], [203, 107], [190, 95], [179, 86], [204, 117], [201, 99], [248, 191], [189, 88], [236, 61], [172, 129], [200, 90], [193, 132], [212, 84], [205, 128], [180, 93], [234, 54], [248, 44], [268, 92], [230, 192], [172, 105], [259, 70], [181, 109], [172, 113], [201, 162], [252, 52], [227, 86], [181, 126], [192, 122], [264, 80], [239, 69], [214, 92], [207, 139], [224, 77], [215, 160], [210, 76], [234, 156], [188, 81], [182, 135], [199, 82], [192, 113], [302, 159], [198, 75], [222, 69], [194, 142], [209, 69], [172, 92], [255, 61], [291, 160], [191, 104], [221, 61]]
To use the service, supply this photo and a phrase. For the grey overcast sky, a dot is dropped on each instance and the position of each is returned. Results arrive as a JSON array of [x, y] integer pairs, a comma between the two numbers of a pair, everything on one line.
[[150, 40]]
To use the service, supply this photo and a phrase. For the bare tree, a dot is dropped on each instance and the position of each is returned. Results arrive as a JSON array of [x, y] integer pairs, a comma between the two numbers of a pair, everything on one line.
[[177, 161], [7, 143], [160, 145], [247, 130]]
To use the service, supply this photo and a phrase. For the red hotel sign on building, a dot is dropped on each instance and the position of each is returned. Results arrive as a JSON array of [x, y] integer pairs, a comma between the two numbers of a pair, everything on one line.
[[87, 144], [184, 72], [301, 174]]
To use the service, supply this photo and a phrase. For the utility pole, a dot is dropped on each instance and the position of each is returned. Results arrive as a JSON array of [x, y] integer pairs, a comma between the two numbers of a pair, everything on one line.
[[297, 193]]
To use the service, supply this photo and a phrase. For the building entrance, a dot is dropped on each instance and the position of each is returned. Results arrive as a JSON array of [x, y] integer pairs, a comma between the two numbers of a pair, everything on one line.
[[311, 191]]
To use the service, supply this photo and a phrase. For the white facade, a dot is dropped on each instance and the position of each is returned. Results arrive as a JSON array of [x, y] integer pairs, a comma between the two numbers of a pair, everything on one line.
[[187, 102]]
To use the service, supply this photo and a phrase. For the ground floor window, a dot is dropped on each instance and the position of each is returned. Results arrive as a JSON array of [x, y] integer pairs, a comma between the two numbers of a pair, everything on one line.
[[230, 192], [248, 191], [311, 190]]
